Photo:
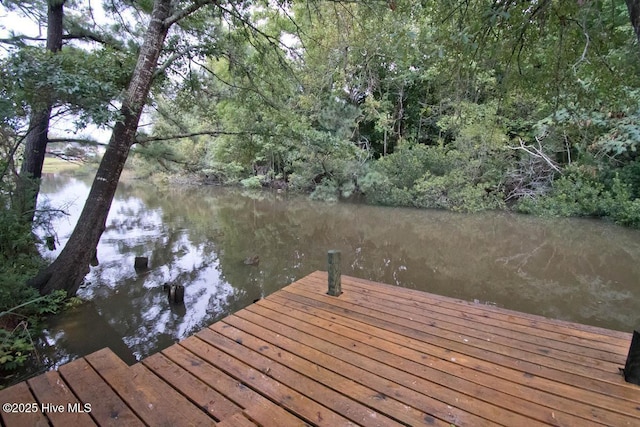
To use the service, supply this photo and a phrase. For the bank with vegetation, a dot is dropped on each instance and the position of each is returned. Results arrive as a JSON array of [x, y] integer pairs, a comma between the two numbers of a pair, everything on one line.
[[533, 108], [22, 308]]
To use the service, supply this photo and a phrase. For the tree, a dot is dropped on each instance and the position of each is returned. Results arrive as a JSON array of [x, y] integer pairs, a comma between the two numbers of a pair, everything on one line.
[[68, 270], [634, 14], [37, 134], [58, 76]]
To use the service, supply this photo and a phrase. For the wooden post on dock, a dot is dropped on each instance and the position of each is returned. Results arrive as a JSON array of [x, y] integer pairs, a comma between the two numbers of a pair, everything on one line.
[[335, 286]]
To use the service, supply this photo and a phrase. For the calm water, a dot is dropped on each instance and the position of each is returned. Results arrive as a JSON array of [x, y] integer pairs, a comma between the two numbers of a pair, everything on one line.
[[586, 271]]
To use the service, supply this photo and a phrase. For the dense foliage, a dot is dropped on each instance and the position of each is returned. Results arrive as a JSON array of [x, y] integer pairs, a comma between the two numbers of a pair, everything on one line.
[[21, 306], [424, 104]]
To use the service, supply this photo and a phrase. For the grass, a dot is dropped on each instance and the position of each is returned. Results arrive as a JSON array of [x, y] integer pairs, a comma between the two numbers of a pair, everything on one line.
[[54, 165]]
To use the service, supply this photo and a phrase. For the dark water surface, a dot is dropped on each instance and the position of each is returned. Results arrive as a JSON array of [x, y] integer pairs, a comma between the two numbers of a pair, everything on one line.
[[581, 270]]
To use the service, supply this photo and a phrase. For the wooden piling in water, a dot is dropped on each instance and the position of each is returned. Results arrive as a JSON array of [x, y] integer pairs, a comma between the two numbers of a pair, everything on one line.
[[335, 286], [141, 263]]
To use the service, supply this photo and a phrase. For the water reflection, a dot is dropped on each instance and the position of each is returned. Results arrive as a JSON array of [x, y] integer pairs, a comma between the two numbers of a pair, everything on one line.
[[579, 270]]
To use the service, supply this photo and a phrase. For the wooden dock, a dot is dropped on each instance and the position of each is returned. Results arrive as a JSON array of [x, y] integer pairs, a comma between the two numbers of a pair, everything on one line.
[[377, 355]]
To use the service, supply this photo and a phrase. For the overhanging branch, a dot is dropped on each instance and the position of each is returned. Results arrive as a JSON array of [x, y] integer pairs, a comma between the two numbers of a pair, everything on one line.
[[537, 153], [146, 139], [181, 14], [77, 141], [81, 34]]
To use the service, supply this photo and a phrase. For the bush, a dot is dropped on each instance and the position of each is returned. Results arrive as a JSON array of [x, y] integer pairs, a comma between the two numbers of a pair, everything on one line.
[[576, 193], [19, 322], [630, 175], [252, 182], [380, 190], [21, 306], [15, 234], [326, 191], [581, 192], [455, 192], [623, 207], [16, 347], [463, 179]]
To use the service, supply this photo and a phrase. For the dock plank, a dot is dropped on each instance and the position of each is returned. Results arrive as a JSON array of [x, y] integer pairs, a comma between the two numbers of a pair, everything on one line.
[[283, 374], [508, 363], [237, 420], [556, 344], [593, 333], [484, 402], [230, 387], [207, 398], [611, 374], [153, 401], [363, 370], [29, 417], [313, 365], [561, 335], [57, 402], [590, 336], [107, 408], [211, 349]]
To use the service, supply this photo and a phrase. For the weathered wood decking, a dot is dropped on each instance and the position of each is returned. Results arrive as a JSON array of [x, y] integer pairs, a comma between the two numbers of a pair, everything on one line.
[[377, 355]]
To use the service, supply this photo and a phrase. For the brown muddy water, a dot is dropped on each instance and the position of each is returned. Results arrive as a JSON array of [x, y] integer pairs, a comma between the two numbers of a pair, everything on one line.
[[581, 270]]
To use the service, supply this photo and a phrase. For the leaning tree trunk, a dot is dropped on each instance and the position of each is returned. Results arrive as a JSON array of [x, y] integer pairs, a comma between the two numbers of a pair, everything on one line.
[[68, 270], [634, 14], [36, 141]]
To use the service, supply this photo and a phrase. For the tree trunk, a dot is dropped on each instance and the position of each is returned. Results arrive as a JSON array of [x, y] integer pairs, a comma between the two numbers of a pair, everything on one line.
[[68, 270], [634, 15], [36, 141]]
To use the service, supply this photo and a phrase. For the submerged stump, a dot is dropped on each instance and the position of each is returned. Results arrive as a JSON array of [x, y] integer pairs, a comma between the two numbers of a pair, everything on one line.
[[175, 293], [141, 263]]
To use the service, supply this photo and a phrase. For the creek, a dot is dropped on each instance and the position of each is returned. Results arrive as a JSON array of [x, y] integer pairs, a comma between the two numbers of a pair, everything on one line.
[[580, 270]]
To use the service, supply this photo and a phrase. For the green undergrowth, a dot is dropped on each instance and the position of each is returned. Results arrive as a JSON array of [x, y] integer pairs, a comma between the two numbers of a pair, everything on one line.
[[580, 192], [22, 308]]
